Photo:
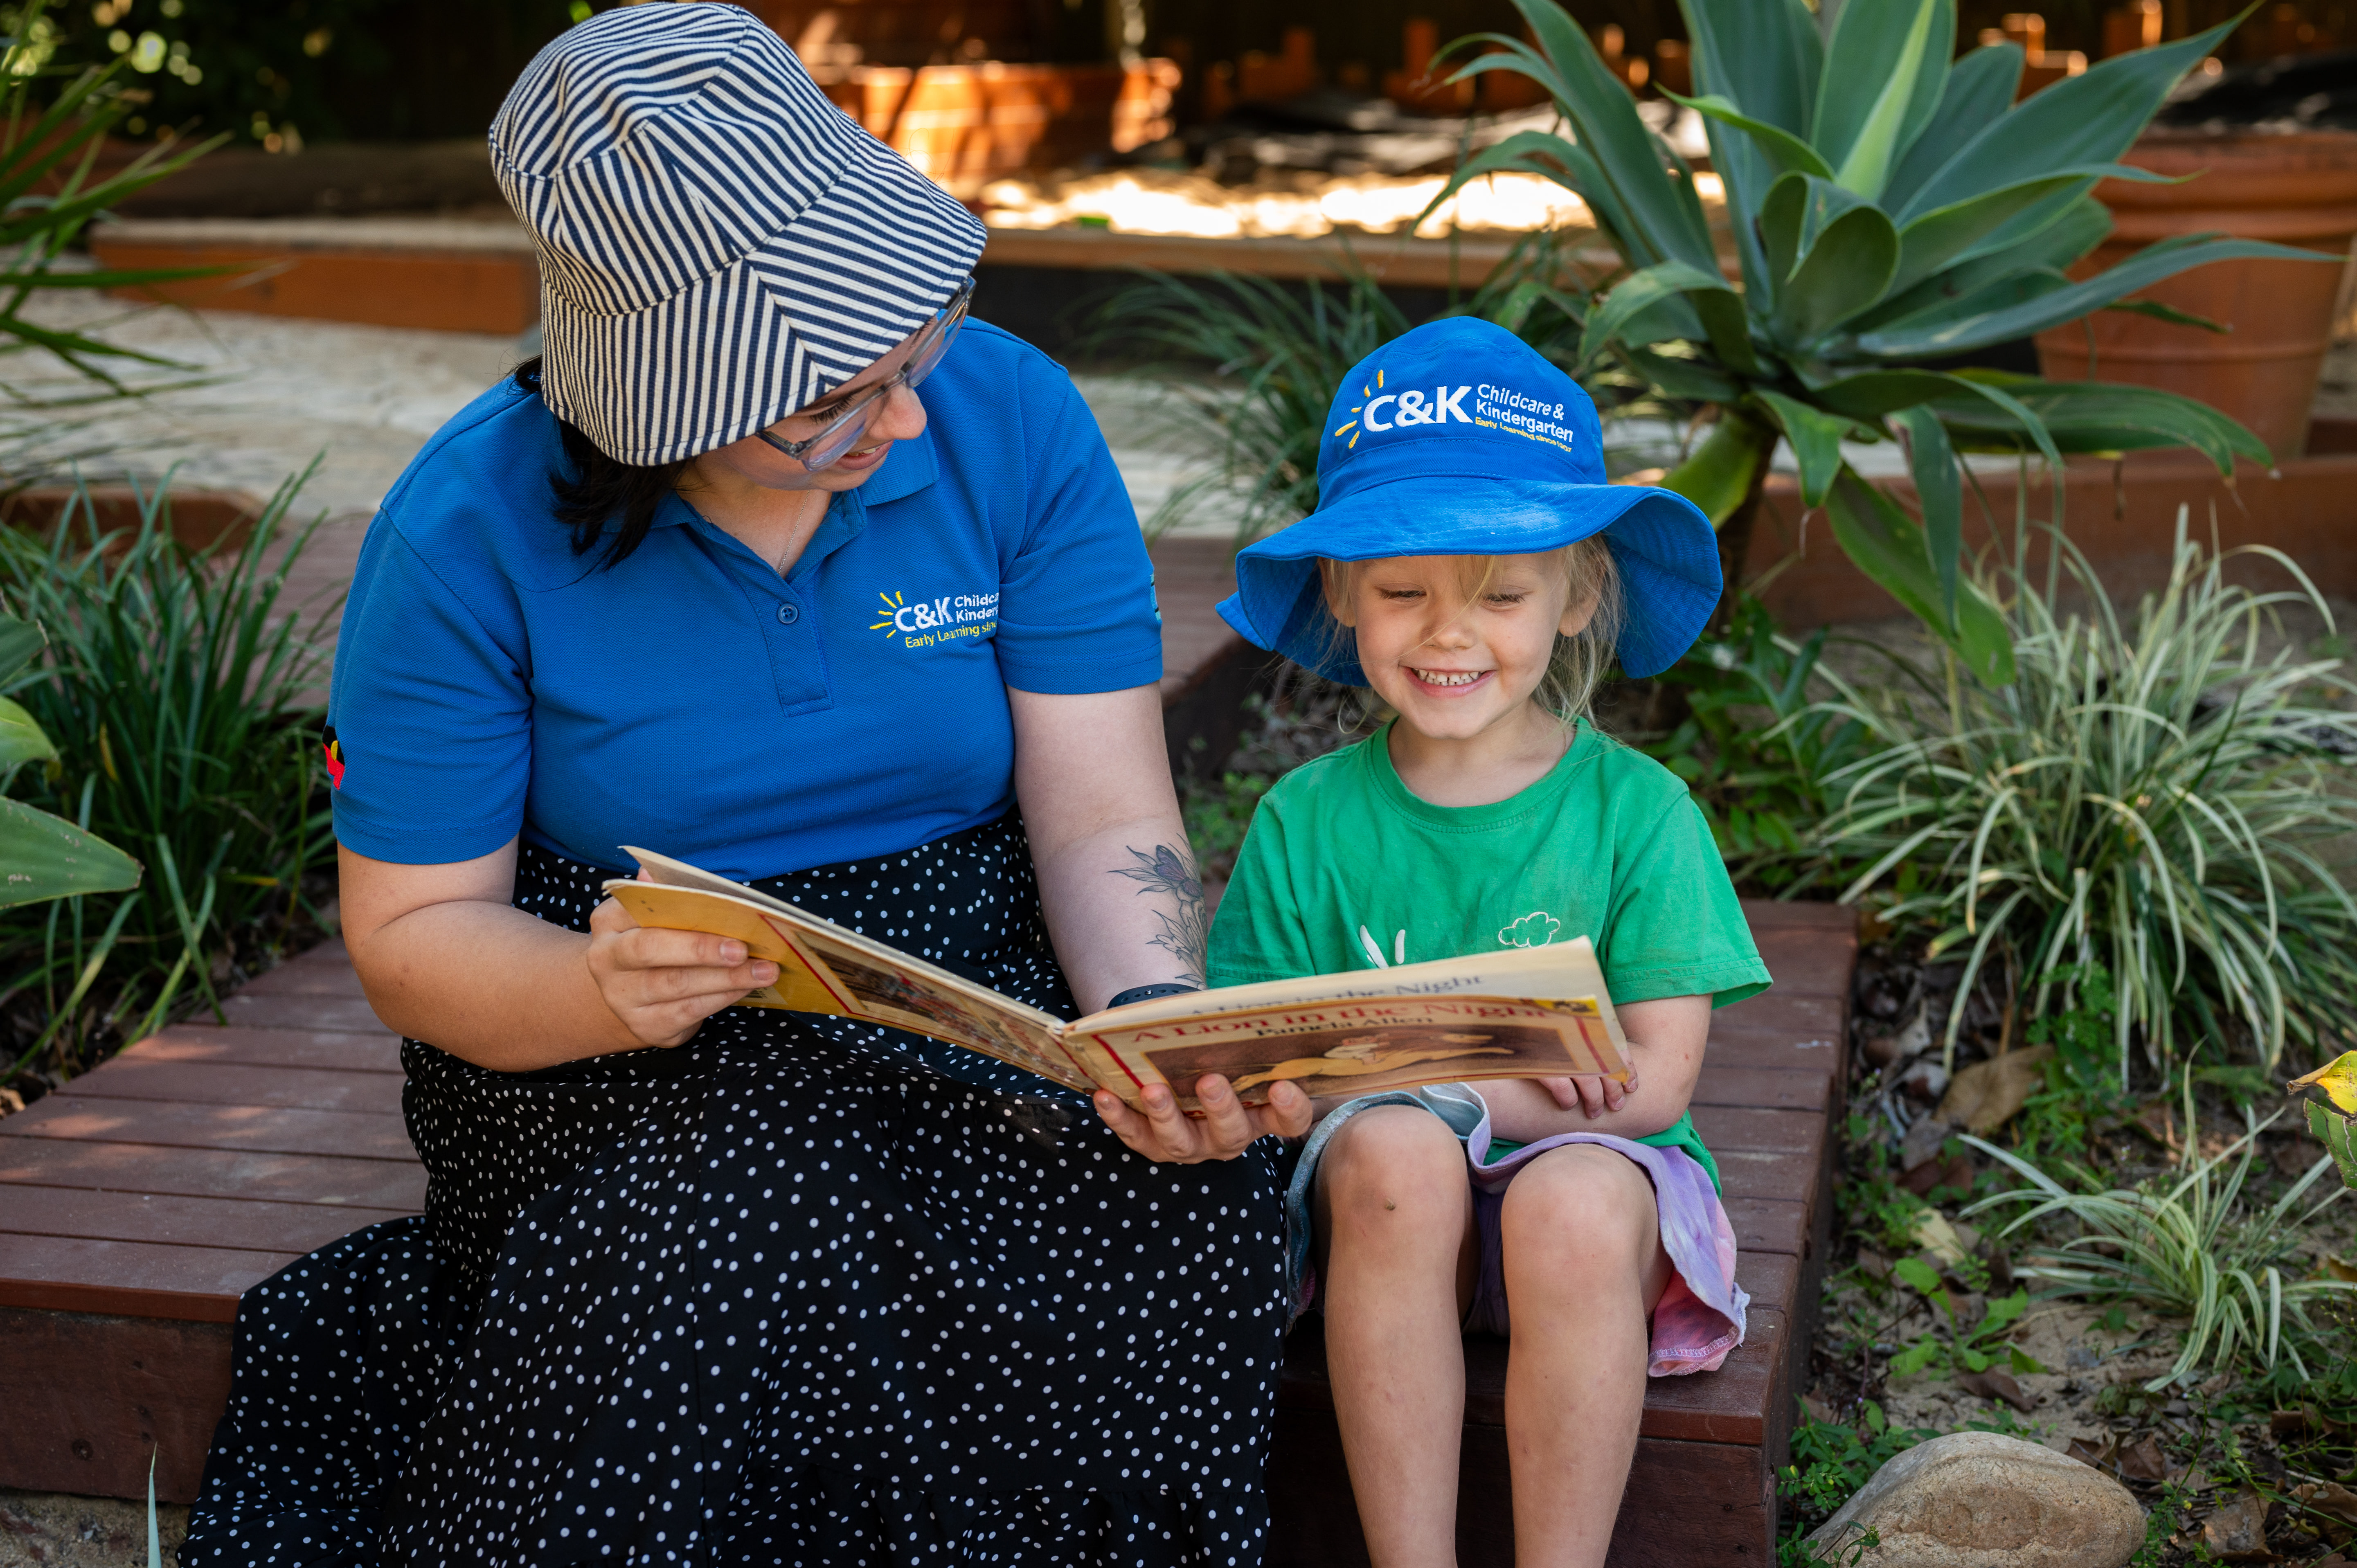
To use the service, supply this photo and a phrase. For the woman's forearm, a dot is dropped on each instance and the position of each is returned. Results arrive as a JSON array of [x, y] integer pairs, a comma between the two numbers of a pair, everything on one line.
[[490, 983], [1117, 880], [1125, 908]]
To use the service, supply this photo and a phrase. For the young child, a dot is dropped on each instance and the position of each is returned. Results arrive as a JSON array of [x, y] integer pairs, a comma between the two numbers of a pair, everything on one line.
[[1468, 561]]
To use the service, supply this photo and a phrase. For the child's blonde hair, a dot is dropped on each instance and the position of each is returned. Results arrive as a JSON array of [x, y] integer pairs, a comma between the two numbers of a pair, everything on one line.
[[1576, 669]]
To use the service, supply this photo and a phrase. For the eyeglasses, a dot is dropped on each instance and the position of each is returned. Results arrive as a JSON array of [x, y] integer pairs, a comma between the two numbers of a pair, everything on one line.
[[846, 428]]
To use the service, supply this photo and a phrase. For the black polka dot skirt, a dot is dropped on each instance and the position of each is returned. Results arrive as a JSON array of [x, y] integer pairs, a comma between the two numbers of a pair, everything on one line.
[[800, 1292]]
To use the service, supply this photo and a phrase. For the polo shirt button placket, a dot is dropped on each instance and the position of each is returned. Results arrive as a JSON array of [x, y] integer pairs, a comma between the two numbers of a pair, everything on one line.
[[789, 612]]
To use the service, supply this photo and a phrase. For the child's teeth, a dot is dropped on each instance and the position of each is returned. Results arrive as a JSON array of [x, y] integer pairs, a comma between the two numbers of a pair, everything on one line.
[[1450, 677]]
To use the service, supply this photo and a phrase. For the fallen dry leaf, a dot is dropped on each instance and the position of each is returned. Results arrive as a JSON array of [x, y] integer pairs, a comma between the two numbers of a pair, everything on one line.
[[1997, 1383], [2329, 1497], [2237, 1531], [1957, 1173], [1985, 1096], [2283, 1423], [2144, 1460], [10, 1102], [2095, 1457], [2333, 1265], [1942, 1237]]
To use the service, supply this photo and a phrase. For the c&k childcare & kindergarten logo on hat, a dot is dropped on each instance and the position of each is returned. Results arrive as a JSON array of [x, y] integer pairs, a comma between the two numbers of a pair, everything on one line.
[[1457, 439], [1494, 408]]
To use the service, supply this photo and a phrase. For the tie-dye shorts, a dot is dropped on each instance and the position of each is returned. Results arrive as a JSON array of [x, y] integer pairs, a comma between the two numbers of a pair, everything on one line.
[[1699, 1318]]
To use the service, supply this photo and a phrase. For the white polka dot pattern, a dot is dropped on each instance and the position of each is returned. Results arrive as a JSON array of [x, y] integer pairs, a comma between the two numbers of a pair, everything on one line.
[[801, 1292]]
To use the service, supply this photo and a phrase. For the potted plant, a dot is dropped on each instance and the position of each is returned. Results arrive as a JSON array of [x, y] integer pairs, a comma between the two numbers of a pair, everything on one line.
[[1892, 210], [2247, 337]]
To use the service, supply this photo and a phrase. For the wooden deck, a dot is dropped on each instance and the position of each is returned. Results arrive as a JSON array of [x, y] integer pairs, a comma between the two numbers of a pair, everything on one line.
[[140, 1200]]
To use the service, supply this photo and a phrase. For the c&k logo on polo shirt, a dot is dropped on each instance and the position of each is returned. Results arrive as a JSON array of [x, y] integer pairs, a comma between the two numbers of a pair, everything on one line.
[[928, 622]]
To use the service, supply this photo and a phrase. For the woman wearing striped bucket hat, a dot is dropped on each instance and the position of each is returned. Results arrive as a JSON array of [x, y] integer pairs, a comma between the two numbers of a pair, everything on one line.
[[712, 1284]]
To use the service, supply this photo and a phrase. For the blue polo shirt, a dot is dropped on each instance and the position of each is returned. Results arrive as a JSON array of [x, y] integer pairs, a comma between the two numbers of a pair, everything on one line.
[[489, 683]]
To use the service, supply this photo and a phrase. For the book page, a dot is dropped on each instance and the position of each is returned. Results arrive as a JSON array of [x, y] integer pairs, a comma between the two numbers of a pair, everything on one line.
[[822, 967], [1559, 969], [1362, 1047]]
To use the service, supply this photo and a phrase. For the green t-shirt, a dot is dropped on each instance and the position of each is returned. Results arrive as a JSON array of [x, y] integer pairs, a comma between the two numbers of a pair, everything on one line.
[[1344, 869]]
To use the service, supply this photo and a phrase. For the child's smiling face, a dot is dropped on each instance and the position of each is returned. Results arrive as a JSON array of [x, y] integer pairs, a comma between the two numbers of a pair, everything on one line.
[[1456, 655]]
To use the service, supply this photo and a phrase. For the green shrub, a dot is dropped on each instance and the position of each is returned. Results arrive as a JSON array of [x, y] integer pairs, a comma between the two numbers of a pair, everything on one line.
[[2186, 1244], [1756, 746], [175, 689], [2151, 794]]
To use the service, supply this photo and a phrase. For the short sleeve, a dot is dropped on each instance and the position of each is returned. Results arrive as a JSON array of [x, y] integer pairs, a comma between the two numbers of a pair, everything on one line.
[[1256, 933], [1675, 928], [1076, 608], [432, 715]]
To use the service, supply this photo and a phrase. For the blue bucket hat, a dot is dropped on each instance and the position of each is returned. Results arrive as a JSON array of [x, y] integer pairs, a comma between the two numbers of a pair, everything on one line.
[[1457, 439]]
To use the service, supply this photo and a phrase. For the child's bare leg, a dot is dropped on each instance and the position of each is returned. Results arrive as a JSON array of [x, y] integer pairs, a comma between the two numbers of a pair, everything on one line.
[[1397, 1255], [1584, 1266]]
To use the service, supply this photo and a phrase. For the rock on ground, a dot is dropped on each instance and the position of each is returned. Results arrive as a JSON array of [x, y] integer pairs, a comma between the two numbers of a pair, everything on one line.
[[52, 1530], [1976, 1499]]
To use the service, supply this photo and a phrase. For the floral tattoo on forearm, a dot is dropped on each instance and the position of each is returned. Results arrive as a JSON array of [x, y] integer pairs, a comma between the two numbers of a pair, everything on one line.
[[1172, 872]]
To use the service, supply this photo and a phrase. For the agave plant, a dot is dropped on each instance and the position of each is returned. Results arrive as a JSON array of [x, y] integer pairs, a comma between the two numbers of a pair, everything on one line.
[[1890, 207]]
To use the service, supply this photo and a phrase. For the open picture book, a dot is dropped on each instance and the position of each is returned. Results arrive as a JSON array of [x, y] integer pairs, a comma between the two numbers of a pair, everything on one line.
[[1538, 1012]]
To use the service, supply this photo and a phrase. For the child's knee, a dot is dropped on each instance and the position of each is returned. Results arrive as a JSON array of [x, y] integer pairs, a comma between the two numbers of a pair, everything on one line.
[[1580, 1207], [1393, 1163]]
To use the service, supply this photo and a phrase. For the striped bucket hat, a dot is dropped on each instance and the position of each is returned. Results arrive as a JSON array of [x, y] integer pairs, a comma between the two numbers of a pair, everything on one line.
[[719, 245]]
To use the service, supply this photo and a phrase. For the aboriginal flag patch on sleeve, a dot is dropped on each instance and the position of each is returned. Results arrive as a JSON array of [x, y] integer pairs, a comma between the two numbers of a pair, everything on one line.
[[333, 750]]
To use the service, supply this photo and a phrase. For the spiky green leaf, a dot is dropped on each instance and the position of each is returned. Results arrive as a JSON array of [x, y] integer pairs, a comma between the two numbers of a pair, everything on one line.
[[1885, 69], [20, 642], [1778, 149], [1887, 546], [21, 740], [2105, 416], [2164, 259], [42, 856], [1939, 490], [1981, 87], [2081, 120], [1816, 438], [1844, 264], [1663, 212]]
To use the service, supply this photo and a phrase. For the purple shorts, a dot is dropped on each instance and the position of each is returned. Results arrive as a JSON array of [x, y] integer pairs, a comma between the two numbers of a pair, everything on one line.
[[1700, 1317]]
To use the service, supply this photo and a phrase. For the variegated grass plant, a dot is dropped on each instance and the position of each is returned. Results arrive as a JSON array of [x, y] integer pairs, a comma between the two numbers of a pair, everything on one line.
[[2153, 792], [2187, 1245]]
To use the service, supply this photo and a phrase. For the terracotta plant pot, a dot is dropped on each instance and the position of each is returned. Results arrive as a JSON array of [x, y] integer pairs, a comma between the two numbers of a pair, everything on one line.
[[200, 518], [2298, 189]]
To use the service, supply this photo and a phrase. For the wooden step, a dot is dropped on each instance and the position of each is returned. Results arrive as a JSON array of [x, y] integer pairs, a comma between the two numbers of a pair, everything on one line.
[[137, 1203]]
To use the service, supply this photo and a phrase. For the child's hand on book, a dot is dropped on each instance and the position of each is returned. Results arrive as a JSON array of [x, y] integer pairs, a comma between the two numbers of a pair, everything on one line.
[[664, 985], [1225, 1129], [1595, 1095]]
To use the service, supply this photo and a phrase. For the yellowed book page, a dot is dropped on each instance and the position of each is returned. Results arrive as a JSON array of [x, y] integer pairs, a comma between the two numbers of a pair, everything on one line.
[[1559, 969], [825, 969], [796, 987], [1362, 1047]]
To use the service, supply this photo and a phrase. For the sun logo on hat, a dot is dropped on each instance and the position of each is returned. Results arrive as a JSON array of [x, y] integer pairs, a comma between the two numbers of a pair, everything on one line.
[[1364, 392]]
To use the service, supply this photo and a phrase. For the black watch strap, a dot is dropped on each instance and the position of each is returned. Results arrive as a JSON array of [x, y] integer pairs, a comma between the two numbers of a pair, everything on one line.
[[1147, 993]]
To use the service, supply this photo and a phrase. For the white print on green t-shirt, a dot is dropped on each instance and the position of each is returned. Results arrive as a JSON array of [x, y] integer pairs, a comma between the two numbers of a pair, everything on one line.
[[1375, 949], [1535, 929]]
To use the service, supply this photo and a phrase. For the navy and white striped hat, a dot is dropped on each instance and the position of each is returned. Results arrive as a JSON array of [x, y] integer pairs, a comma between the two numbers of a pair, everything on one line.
[[719, 245]]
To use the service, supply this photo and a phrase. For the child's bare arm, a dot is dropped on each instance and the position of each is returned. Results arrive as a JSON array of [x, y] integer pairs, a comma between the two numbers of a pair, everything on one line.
[[1665, 1045]]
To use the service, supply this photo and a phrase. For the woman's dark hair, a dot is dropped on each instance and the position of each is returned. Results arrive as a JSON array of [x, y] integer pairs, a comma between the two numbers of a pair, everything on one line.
[[597, 490]]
